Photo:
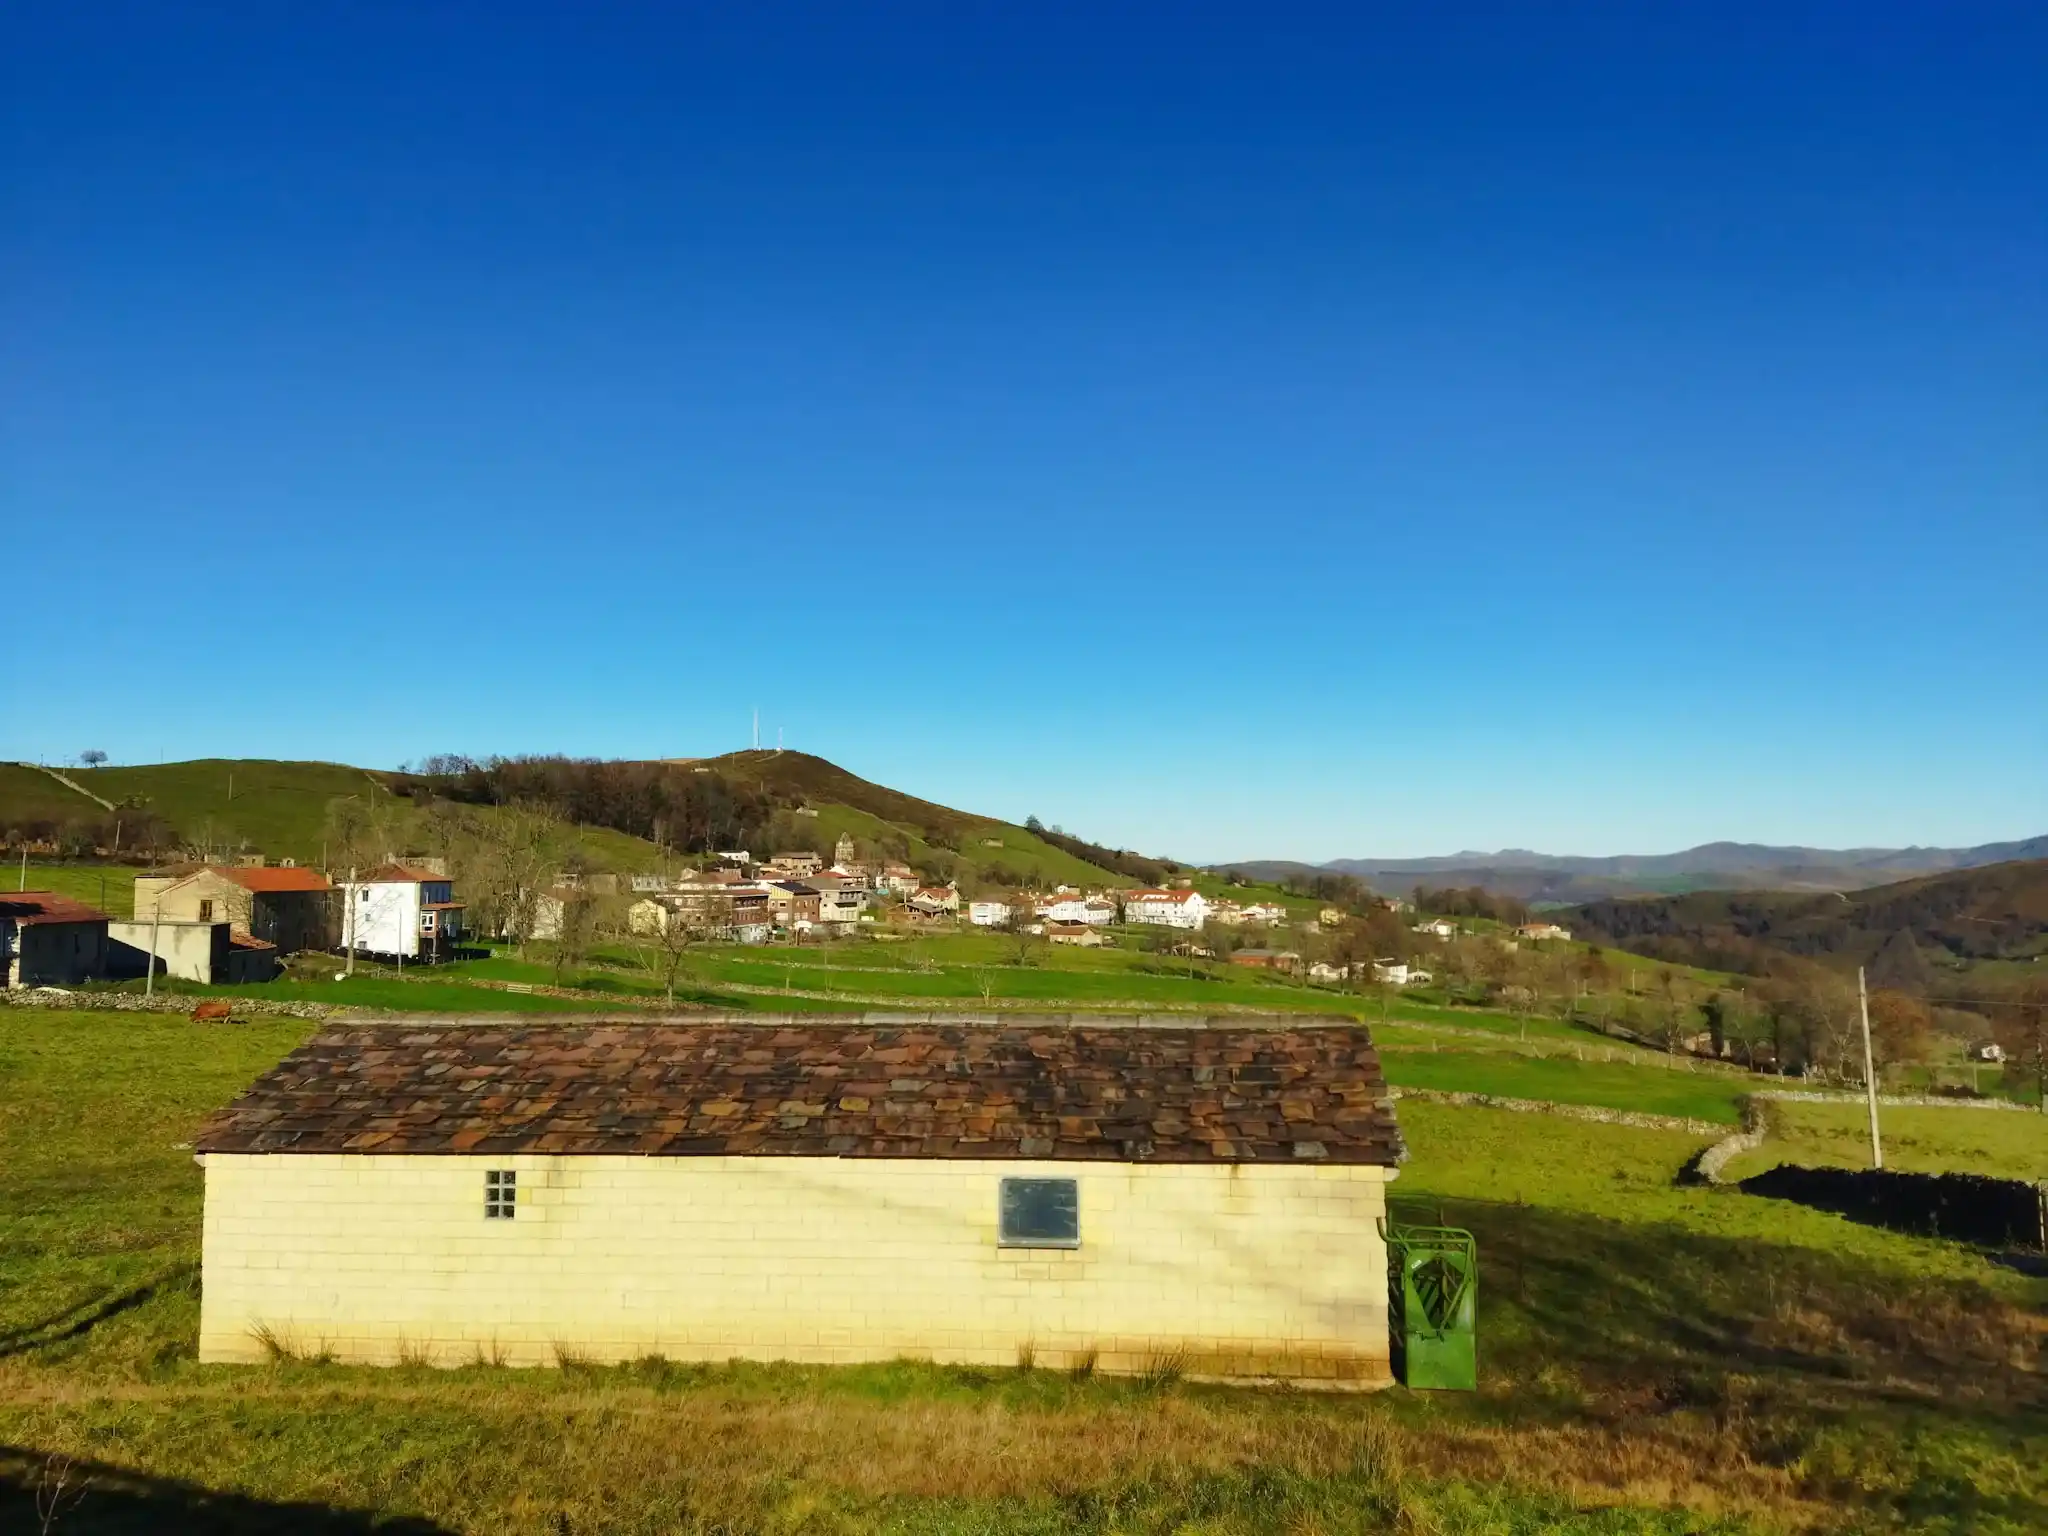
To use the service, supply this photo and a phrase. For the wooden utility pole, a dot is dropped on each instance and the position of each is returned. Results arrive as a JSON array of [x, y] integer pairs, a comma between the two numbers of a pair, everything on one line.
[[1869, 1070]]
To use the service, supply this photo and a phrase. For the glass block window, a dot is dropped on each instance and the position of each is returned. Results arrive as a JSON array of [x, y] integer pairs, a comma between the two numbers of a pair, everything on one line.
[[501, 1194], [1039, 1213]]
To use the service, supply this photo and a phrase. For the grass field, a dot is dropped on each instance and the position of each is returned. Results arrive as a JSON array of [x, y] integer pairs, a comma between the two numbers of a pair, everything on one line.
[[110, 887], [1999, 1142], [1653, 1090], [1655, 1359]]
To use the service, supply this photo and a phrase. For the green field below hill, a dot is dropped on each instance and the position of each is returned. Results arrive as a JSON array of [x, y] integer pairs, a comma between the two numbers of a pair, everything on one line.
[[109, 887], [1709, 1096], [1654, 1359], [2008, 1144]]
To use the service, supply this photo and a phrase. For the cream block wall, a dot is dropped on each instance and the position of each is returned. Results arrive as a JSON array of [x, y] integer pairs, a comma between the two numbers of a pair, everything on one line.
[[1233, 1270]]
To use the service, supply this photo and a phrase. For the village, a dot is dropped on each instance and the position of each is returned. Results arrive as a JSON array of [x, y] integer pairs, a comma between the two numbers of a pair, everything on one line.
[[237, 923]]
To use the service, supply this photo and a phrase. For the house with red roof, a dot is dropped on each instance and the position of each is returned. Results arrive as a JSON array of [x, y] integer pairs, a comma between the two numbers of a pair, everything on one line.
[[284, 906], [47, 940]]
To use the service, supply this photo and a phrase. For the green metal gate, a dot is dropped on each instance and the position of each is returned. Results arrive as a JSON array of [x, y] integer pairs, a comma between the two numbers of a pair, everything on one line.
[[1433, 1285]]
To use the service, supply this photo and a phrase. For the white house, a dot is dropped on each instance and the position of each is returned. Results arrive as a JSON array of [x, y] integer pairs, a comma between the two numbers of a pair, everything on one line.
[[936, 898], [1166, 909], [1322, 970], [1440, 927], [1540, 931], [1072, 907], [988, 914], [899, 879], [1398, 973], [408, 914], [1267, 912]]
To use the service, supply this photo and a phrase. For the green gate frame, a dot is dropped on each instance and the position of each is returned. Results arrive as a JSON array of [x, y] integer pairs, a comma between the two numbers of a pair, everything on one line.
[[1433, 1297]]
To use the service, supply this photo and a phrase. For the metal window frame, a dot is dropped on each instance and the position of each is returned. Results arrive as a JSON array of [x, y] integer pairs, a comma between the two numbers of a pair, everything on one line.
[[1005, 1240]]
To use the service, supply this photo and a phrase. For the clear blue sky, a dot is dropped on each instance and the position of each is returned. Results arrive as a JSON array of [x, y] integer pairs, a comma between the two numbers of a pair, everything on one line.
[[1272, 431]]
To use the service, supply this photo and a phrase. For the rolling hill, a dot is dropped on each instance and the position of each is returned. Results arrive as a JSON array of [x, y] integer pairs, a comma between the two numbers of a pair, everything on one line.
[[1998, 912], [1557, 879], [284, 810]]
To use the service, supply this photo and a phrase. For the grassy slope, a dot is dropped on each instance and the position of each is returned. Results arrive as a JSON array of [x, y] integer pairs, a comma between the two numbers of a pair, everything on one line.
[[29, 795], [2001, 1143], [1655, 1359], [278, 807]]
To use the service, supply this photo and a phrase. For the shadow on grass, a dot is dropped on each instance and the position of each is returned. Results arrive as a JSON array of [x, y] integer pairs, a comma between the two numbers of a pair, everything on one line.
[[82, 1317], [43, 1492], [1658, 1315]]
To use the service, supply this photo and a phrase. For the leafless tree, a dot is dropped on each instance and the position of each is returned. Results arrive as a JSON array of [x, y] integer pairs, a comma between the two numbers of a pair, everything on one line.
[[661, 935], [2022, 1030]]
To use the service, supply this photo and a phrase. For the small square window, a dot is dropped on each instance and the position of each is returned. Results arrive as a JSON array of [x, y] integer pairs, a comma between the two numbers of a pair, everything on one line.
[[501, 1194], [1040, 1213]]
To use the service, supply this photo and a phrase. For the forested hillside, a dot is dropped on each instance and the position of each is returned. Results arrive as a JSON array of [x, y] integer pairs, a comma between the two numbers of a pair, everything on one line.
[[1999, 912]]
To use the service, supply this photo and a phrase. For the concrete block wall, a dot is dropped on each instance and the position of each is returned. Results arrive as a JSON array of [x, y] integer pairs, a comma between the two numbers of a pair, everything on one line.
[[1229, 1271]]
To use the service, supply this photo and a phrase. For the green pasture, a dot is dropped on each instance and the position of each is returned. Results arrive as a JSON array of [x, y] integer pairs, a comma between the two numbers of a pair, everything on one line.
[[2009, 1144]]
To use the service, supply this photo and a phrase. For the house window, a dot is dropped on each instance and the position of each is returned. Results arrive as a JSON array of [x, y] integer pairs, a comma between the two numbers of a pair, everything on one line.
[[426, 922], [1039, 1213], [206, 911], [501, 1194]]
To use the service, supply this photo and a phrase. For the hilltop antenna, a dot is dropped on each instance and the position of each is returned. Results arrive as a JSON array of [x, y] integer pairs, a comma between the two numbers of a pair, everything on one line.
[[778, 741], [757, 727]]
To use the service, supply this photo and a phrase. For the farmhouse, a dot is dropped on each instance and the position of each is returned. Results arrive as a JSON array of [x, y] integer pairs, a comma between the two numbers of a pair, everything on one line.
[[988, 914], [1541, 931], [1085, 935], [409, 914], [47, 940], [288, 907], [839, 900], [832, 1192]]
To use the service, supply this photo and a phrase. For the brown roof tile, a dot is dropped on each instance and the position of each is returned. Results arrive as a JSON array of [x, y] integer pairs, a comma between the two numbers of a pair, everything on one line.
[[1200, 1095], [28, 908]]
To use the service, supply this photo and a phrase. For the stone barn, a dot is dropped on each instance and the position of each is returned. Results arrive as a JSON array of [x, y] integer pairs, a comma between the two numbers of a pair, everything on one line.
[[824, 1191]]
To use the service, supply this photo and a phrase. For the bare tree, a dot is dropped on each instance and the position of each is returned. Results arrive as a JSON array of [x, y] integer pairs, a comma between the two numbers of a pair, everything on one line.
[[2022, 1030], [92, 758], [661, 935]]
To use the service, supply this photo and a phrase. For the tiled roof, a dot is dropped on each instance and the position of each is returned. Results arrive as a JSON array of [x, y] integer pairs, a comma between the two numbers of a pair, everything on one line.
[[28, 908], [274, 879], [844, 1089]]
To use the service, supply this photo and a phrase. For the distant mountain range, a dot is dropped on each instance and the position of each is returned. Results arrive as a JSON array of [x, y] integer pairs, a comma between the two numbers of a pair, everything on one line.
[[1568, 879]]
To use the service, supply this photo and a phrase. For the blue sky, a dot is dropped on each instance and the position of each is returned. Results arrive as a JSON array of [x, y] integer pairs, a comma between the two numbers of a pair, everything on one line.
[[1269, 431]]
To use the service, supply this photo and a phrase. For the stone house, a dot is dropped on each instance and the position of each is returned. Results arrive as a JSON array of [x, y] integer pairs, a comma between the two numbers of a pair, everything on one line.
[[286, 907], [47, 940], [813, 1190]]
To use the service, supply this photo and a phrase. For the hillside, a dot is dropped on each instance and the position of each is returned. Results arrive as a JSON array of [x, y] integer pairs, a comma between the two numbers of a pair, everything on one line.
[[1559, 879], [983, 848], [1998, 912], [288, 810]]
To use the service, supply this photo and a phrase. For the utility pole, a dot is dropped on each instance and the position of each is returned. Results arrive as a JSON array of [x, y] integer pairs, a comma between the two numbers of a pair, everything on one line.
[[156, 918], [24, 867], [1869, 1070], [352, 897]]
